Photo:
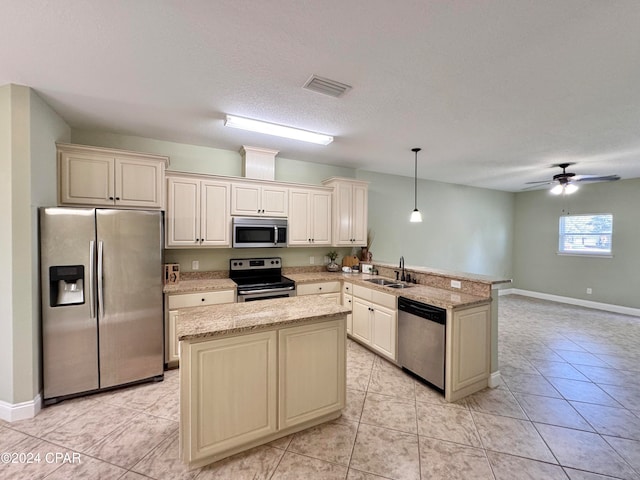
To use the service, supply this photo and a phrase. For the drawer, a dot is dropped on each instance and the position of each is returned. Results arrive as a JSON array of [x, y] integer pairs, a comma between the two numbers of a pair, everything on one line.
[[202, 298], [315, 288], [381, 298], [347, 288]]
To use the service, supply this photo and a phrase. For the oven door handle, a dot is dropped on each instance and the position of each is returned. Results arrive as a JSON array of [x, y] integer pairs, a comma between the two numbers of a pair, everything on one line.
[[265, 290]]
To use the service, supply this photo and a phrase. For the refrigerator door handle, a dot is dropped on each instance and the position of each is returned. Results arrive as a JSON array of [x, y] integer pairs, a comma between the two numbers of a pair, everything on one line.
[[92, 267], [100, 286]]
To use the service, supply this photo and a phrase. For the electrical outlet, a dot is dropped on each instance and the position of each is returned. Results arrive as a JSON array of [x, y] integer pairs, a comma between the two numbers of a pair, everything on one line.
[[589, 291], [312, 260], [195, 265], [456, 284]]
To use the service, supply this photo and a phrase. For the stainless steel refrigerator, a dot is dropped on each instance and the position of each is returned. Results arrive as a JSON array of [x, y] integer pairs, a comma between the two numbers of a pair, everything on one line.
[[102, 306]]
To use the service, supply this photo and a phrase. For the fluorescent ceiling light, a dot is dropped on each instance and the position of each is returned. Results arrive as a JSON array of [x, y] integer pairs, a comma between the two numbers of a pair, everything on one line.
[[277, 130]]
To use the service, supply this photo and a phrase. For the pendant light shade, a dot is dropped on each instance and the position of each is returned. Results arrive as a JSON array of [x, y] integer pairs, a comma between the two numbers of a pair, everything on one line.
[[416, 216]]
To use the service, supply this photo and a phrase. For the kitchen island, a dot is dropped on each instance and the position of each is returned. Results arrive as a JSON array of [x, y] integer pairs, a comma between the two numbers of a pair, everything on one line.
[[254, 372]]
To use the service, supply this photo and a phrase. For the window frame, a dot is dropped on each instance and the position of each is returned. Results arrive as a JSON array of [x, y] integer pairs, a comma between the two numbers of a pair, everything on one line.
[[586, 253]]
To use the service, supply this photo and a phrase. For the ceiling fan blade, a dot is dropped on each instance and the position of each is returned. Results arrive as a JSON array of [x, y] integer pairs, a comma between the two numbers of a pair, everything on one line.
[[541, 182], [596, 178]]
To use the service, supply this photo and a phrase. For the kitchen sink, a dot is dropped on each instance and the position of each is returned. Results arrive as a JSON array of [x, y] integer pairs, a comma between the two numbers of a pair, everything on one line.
[[399, 285], [388, 283], [381, 281]]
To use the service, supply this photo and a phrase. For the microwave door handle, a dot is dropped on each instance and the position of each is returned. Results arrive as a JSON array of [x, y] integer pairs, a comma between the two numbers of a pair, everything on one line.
[[275, 235]]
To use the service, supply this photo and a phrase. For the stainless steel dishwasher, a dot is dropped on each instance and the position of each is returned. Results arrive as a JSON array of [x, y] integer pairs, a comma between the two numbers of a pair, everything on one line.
[[421, 340]]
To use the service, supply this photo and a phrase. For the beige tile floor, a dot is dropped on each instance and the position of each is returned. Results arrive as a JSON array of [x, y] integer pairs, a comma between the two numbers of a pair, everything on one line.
[[569, 408]]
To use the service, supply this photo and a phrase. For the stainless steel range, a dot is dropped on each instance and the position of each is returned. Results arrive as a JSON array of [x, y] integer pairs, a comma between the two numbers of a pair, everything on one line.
[[260, 279]]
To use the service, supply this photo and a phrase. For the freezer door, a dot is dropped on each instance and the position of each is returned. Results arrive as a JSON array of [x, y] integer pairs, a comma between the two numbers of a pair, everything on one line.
[[131, 325], [69, 332]]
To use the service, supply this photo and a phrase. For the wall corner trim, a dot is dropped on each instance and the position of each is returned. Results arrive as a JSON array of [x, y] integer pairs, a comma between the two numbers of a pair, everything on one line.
[[573, 301], [12, 412]]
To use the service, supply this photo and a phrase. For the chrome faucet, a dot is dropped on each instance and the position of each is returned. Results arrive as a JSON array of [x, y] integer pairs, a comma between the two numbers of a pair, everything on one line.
[[401, 266]]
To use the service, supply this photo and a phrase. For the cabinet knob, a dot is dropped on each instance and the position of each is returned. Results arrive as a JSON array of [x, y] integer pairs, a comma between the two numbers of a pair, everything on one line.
[[117, 198], [110, 198], [319, 288], [203, 299]]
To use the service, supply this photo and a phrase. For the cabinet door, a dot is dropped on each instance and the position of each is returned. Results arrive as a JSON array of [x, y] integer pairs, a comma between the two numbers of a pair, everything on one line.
[[312, 371], [362, 320], [275, 201], [470, 347], [234, 400], [384, 331], [359, 215], [343, 209], [215, 219], [86, 179], [173, 349], [139, 183], [183, 212], [246, 199], [320, 218], [299, 221]]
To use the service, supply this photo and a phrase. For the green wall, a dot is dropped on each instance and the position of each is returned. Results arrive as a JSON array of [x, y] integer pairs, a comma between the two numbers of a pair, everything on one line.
[[464, 229], [538, 267], [29, 129]]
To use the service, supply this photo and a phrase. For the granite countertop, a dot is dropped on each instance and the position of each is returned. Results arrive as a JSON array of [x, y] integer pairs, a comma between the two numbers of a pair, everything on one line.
[[247, 317], [200, 285], [421, 293]]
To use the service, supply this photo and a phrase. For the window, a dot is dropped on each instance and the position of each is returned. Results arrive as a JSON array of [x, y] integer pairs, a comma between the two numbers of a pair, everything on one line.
[[586, 234]]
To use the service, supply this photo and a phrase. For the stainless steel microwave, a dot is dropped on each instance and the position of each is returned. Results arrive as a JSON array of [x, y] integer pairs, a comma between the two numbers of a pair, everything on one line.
[[251, 232]]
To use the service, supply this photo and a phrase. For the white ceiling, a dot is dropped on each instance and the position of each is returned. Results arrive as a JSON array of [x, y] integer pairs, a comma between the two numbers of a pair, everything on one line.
[[494, 91]]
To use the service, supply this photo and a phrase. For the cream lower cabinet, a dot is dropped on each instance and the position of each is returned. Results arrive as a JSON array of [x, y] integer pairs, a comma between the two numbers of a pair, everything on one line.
[[375, 320], [176, 301], [347, 301], [312, 372], [95, 176], [234, 401], [198, 213], [468, 351], [242, 391]]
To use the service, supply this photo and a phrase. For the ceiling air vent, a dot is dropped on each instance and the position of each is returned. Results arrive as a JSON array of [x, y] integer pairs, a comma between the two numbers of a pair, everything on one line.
[[326, 86]]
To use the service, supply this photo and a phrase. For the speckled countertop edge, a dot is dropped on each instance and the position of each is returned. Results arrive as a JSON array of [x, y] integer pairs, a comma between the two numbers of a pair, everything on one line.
[[421, 293], [233, 318]]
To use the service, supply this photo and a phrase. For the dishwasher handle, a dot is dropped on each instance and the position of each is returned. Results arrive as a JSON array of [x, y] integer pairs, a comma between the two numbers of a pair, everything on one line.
[[423, 310]]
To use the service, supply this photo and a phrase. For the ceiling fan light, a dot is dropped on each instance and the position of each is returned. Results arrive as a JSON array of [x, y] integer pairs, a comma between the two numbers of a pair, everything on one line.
[[570, 188], [558, 189], [416, 216]]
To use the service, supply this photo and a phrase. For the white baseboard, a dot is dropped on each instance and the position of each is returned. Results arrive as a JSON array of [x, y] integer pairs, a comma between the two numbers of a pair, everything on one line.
[[572, 301], [12, 412], [495, 379]]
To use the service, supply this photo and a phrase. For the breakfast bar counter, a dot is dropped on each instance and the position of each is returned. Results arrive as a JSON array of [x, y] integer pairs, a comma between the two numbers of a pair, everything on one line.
[[256, 371]]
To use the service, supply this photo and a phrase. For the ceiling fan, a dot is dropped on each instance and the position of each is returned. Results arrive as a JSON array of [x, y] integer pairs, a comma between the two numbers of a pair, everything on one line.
[[565, 182]]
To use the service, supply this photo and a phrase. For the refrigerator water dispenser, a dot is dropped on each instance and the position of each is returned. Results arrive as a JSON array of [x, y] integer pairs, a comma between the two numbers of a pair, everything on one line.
[[66, 285]]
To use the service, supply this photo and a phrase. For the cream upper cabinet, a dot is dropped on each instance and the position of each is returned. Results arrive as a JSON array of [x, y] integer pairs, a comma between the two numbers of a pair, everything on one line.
[[198, 212], [259, 199], [349, 212], [309, 216], [106, 177]]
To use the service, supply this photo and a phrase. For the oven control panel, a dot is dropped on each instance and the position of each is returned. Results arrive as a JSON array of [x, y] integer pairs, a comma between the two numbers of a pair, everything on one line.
[[254, 263]]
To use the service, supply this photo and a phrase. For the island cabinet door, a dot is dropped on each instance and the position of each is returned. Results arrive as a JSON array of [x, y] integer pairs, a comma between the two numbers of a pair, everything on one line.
[[233, 392], [312, 371]]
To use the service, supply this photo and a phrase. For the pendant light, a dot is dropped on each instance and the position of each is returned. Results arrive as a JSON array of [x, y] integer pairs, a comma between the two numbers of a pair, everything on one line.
[[416, 216]]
